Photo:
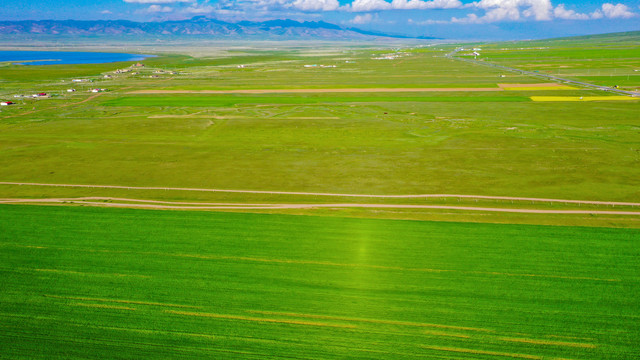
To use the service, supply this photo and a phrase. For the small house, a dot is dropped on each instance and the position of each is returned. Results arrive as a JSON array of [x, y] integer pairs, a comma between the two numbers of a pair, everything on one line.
[[6, 103]]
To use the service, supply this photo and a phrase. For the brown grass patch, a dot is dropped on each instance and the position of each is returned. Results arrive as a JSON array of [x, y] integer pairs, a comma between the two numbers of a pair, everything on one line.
[[120, 301], [71, 272], [530, 85], [550, 342], [103, 306], [268, 320], [439, 333], [373, 321], [483, 352]]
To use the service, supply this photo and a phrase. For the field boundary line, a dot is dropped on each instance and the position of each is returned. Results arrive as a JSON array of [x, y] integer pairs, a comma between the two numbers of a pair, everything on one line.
[[398, 196]]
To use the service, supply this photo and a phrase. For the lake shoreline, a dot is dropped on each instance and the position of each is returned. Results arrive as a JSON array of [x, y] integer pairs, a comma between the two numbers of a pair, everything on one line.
[[35, 58]]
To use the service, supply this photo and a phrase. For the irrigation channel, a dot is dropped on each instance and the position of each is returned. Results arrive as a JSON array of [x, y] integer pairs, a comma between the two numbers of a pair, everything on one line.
[[452, 54]]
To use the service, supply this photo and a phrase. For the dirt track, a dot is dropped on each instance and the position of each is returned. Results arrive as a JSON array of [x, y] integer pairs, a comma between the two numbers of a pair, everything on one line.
[[543, 85], [285, 91], [152, 204], [418, 196]]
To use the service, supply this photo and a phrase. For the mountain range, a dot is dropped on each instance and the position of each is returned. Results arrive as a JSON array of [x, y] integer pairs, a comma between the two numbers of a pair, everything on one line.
[[197, 26]]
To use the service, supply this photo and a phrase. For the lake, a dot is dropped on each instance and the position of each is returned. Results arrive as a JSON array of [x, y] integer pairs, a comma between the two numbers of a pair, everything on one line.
[[66, 57]]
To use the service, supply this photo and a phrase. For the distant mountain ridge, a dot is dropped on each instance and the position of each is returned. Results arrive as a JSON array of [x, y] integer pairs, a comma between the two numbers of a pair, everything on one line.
[[200, 25]]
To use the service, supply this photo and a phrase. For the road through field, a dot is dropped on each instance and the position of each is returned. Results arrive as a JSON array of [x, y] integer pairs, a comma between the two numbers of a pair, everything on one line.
[[452, 54], [417, 196], [168, 205]]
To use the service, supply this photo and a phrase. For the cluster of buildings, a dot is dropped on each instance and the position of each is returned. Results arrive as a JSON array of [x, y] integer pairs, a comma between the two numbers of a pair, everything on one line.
[[38, 95], [390, 56], [320, 66]]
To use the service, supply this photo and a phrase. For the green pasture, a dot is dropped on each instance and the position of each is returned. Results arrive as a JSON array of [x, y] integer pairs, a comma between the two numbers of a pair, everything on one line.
[[380, 143], [232, 100], [555, 150], [108, 283], [603, 60], [90, 282]]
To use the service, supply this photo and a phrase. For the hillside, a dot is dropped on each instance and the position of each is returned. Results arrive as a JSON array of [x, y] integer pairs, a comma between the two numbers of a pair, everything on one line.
[[197, 26]]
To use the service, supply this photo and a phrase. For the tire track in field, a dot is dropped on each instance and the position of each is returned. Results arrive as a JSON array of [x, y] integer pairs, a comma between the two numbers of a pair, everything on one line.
[[377, 196], [275, 206]]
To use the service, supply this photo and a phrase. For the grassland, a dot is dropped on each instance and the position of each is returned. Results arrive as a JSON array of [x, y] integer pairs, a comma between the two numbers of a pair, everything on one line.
[[301, 231], [604, 60], [470, 143], [120, 283]]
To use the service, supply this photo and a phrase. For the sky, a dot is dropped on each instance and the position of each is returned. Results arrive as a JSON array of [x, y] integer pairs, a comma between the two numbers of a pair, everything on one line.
[[451, 19]]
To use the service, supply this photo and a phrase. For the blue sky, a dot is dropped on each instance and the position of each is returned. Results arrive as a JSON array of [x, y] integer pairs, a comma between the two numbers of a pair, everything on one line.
[[453, 19]]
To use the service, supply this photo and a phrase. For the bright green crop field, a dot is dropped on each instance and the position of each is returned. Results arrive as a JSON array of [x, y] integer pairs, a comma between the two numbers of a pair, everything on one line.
[[323, 201], [122, 284]]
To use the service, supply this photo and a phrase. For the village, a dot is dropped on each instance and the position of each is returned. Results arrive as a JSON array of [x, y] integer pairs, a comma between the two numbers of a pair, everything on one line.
[[41, 94]]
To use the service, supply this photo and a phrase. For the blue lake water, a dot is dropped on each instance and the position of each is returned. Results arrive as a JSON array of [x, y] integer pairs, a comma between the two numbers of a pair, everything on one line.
[[64, 57]]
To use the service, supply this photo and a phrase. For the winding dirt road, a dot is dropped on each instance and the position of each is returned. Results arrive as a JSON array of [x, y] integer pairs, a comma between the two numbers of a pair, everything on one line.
[[151, 203], [167, 205]]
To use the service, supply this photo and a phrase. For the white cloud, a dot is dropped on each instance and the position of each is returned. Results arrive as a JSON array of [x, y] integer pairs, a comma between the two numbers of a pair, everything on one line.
[[377, 5], [607, 10], [361, 19], [419, 4], [617, 11], [369, 5], [507, 9], [158, 9], [316, 5], [561, 12], [105, 12], [597, 14], [158, 1]]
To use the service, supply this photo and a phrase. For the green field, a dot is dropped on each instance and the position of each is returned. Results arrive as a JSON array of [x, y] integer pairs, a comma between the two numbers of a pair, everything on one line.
[[356, 224], [605, 60], [230, 100], [121, 284]]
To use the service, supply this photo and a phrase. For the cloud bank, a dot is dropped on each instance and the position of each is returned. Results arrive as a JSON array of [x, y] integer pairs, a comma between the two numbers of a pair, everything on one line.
[[479, 12]]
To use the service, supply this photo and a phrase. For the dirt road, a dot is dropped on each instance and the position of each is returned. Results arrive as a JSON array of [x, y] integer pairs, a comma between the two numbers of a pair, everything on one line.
[[417, 196], [167, 205]]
